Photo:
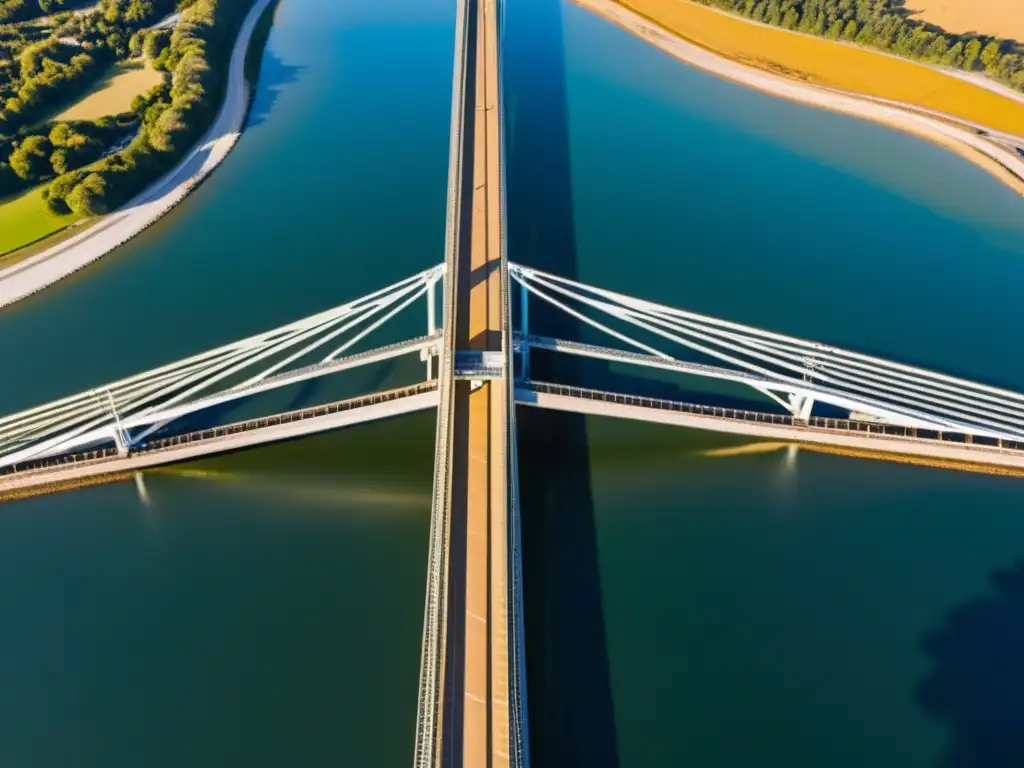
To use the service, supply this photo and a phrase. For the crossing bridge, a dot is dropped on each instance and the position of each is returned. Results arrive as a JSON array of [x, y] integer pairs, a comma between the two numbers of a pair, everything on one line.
[[473, 364], [816, 392], [800, 391]]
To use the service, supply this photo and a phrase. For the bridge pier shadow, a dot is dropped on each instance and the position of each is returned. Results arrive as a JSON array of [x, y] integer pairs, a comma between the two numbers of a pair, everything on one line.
[[568, 682]]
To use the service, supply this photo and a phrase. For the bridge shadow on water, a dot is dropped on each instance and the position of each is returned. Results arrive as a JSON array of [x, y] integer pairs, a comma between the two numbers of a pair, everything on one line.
[[568, 680], [976, 686]]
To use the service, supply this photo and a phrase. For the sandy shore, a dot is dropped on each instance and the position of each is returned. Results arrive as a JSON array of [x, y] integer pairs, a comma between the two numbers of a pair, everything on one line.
[[115, 229], [1001, 161]]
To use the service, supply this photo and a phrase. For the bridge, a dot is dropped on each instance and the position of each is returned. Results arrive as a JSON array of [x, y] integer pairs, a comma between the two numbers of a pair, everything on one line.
[[472, 364]]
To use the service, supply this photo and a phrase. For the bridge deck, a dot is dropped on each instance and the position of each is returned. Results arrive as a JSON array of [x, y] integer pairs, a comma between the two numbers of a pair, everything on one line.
[[85, 467], [479, 483], [854, 437], [465, 655]]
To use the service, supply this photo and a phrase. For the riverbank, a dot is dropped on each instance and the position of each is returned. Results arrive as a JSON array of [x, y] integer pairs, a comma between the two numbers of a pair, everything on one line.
[[949, 132], [115, 229]]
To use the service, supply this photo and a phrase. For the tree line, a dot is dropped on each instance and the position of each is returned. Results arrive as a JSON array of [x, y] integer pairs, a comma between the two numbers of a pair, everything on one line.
[[13, 11], [886, 26], [50, 73], [63, 147]]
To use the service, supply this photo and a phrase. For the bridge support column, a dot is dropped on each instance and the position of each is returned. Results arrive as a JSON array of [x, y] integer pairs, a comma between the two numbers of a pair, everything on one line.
[[524, 320], [432, 307], [121, 438], [800, 406], [428, 353]]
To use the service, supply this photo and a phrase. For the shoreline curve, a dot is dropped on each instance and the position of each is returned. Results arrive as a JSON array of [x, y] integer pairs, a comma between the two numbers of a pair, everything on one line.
[[945, 130], [32, 275]]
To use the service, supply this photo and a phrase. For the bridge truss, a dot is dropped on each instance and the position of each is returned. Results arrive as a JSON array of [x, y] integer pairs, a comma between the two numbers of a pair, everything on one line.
[[794, 373]]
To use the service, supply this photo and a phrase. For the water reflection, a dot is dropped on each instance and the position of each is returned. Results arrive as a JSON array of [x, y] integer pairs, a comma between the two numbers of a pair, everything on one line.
[[299, 494]]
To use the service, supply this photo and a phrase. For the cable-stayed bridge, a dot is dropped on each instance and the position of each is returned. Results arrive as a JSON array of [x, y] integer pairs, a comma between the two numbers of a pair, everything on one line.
[[484, 323], [123, 422]]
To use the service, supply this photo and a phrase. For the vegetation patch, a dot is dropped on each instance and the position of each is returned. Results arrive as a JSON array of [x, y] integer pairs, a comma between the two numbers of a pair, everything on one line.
[[132, 126], [27, 218], [823, 62], [13, 11]]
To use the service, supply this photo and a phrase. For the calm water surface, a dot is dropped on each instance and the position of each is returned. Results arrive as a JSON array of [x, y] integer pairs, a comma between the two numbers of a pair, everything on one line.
[[264, 609], [686, 605]]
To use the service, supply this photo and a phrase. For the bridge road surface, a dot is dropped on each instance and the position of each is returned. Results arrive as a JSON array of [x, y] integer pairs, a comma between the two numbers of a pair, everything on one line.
[[474, 724], [479, 482]]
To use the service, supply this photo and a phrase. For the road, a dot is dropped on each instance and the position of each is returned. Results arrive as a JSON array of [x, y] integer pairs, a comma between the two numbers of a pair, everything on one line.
[[115, 229]]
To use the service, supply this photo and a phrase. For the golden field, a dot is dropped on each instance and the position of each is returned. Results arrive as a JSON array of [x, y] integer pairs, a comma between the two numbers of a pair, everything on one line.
[[1001, 18], [827, 63], [113, 94]]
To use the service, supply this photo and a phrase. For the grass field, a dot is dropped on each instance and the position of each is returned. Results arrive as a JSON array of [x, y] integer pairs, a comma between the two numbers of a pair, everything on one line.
[[827, 63], [114, 92], [25, 219], [1002, 18]]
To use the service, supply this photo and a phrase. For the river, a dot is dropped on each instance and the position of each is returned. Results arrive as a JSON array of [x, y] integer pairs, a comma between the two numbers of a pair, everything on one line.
[[683, 606]]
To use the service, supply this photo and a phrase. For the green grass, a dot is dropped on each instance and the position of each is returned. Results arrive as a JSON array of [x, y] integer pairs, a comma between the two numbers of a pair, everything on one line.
[[25, 219]]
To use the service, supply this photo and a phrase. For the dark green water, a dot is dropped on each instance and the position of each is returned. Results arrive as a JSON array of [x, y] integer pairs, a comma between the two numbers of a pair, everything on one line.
[[774, 609], [264, 609], [764, 609]]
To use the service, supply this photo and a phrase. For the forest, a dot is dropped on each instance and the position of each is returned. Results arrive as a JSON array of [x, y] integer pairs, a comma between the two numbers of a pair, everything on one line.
[[12, 11], [887, 26]]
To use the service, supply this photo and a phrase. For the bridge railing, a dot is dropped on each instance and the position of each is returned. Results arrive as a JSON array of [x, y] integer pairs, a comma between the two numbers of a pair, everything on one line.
[[874, 429], [430, 689], [519, 729]]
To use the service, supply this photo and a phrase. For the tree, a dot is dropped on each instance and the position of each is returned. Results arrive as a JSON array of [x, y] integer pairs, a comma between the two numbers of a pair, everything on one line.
[[87, 199], [954, 56], [850, 33], [971, 53], [59, 189], [61, 134], [155, 43], [937, 50], [31, 160], [60, 161], [990, 56]]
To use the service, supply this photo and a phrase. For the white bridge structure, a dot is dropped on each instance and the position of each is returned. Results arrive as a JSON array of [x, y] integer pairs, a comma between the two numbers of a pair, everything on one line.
[[886, 406]]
